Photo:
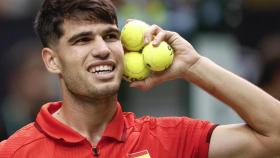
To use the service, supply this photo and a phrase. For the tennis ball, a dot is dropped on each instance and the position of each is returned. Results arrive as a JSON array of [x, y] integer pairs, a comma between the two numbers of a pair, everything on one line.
[[132, 35], [135, 68], [158, 58]]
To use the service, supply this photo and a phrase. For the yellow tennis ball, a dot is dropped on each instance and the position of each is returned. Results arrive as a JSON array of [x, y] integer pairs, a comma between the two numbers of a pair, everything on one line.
[[132, 35], [135, 68], [158, 58]]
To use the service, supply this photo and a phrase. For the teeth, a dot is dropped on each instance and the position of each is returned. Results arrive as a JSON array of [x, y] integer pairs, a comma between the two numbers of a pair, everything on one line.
[[101, 68]]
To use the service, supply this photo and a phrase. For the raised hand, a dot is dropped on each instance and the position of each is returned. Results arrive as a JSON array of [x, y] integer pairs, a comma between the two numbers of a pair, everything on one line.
[[184, 57]]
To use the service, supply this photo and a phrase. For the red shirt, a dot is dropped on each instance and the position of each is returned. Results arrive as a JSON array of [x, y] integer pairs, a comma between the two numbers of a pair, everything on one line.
[[124, 137]]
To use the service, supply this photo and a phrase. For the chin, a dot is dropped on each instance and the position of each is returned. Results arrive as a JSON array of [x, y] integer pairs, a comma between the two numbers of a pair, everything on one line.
[[107, 90]]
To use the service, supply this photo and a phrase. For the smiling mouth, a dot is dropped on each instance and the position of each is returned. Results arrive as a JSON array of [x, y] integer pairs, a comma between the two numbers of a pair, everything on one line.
[[101, 69]]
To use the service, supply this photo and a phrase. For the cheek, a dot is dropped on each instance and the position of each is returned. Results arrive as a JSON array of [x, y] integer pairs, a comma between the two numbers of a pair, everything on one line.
[[72, 59], [118, 51]]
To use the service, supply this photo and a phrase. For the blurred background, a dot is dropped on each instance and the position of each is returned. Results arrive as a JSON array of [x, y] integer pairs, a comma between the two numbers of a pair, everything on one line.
[[241, 35]]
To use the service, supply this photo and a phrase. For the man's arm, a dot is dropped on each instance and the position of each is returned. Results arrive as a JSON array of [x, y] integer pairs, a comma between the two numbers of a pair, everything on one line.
[[259, 137]]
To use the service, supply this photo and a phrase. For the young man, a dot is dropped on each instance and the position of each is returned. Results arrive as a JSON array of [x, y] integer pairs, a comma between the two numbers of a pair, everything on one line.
[[82, 46]]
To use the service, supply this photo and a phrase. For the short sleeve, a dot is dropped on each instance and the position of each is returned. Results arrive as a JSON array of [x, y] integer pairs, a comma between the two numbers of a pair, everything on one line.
[[185, 137]]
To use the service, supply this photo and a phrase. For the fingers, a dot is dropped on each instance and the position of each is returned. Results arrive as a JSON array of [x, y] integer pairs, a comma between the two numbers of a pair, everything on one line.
[[146, 84], [159, 37], [129, 20], [153, 80], [155, 34]]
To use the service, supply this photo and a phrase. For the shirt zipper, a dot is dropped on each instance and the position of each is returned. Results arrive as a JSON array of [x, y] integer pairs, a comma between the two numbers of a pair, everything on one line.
[[95, 151]]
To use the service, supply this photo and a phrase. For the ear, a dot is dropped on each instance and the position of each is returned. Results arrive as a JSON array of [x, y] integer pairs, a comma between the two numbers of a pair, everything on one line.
[[51, 61]]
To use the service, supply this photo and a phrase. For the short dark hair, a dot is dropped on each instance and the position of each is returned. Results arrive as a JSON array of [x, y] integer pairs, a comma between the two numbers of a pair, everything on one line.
[[50, 17]]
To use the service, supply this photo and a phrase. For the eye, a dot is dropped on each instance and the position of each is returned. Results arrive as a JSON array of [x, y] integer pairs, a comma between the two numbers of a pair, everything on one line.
[[82, 41], [112, 37]]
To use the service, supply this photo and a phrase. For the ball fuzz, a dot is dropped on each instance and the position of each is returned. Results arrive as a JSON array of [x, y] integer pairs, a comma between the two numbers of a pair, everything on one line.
[[135, 68], [158, 58], [132, 35]]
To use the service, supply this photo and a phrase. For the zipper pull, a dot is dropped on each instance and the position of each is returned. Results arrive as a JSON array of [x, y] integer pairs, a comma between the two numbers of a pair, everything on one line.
[[95, 151]]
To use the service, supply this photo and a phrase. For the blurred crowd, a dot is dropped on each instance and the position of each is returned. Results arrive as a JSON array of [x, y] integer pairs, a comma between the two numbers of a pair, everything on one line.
[[252, 25]]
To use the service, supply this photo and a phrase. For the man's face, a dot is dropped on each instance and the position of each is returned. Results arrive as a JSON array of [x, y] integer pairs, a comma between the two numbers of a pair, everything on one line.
[[91, 59]]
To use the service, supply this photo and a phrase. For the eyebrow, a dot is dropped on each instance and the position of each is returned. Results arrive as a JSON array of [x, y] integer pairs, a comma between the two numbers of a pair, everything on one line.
[[81, 34], [90, 33], [111, 29]]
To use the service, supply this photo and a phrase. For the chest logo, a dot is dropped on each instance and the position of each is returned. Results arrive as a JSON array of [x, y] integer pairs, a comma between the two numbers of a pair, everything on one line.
[[140, 154]]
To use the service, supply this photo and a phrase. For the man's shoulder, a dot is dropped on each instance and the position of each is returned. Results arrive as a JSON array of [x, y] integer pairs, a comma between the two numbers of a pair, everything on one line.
[[164, 122], [29, 135]]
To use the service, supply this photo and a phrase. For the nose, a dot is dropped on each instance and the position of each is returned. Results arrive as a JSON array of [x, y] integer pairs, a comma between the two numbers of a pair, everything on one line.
[[101, 49]]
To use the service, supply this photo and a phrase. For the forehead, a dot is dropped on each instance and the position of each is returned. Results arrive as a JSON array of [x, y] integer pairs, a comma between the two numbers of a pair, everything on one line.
[[71, 27]]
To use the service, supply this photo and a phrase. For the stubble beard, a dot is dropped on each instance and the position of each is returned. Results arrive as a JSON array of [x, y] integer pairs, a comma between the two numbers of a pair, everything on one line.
[[90, 91]]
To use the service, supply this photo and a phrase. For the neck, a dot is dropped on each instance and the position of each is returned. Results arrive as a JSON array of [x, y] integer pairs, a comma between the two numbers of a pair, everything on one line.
[[87, 117]]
